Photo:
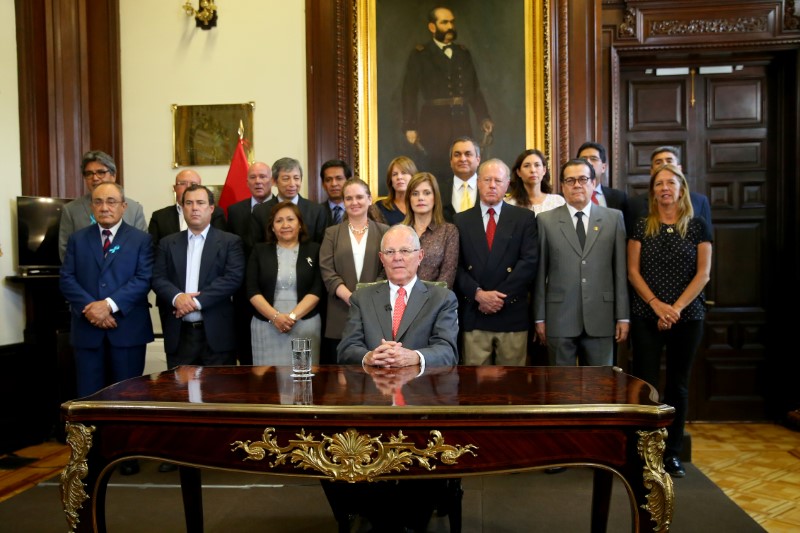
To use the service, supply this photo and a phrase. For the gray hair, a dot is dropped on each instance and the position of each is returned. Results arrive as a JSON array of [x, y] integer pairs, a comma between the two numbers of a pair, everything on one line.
[[405, 229], [286, 163], [100, 157], [495, 161], [671, 149]]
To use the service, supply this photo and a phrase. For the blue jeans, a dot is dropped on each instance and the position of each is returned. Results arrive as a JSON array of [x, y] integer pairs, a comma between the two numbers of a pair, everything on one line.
[[681, 343]]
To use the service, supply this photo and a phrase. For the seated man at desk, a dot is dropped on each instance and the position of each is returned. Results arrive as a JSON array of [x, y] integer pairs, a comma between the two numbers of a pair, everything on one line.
[[403, 322]]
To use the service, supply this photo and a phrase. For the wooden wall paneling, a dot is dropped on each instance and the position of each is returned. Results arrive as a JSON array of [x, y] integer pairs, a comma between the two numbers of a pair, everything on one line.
[[330, 31], [584, 72], [69, 86]]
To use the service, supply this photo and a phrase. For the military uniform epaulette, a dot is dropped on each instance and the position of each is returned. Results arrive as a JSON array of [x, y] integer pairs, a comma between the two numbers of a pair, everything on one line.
[[420, 47]]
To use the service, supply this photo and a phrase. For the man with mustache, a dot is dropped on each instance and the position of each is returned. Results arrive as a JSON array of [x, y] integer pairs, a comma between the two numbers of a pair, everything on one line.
[[439, 88]]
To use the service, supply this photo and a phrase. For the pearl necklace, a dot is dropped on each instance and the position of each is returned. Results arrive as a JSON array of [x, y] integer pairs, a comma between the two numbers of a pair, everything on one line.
[[358, 231]]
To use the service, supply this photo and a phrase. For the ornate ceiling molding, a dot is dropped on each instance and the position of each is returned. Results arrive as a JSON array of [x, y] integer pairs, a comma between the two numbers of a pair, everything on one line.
[[715, 26]]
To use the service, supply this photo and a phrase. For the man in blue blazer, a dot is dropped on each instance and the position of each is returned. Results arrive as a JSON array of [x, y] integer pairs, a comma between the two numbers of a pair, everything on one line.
[[581, 292], [493, 281], [427, 330], [195, 275], [107, 293], [638, 205]]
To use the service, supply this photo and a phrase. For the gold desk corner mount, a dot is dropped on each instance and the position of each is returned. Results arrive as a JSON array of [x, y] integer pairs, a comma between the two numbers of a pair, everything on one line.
[[206, 14], [351, 456], [661, 498], [73, 490]]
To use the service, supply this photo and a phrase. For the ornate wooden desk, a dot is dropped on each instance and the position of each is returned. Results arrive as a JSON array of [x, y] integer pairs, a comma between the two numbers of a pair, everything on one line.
[[346, 424]]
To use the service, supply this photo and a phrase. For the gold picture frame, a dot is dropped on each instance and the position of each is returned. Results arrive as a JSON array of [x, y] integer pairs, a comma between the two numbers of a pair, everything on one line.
[[205, 135], [535, 28]]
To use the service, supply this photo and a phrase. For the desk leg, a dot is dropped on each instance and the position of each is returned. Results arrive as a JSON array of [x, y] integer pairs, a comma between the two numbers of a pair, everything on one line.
[[655, 497], [601, 499], [192, 492]]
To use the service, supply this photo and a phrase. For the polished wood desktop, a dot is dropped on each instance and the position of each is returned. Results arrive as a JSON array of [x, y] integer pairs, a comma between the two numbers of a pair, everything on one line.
[[349, 424]]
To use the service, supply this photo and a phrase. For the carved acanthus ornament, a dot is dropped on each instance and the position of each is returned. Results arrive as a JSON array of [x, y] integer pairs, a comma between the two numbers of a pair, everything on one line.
[[350, 456], [700, 27], [790, 19], [627, 28], [73, 490], [661, 499]]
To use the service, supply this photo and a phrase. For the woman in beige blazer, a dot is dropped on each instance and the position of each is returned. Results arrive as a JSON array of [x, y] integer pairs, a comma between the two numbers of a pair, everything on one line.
[[348, 255]]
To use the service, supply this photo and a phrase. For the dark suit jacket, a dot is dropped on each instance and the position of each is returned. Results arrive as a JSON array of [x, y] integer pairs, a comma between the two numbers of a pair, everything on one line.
[[446, 192], [616, 199], [124, 276], [222, 268], [78, 214], [638, 207], [262, 271], [165, 222], [329, 213], [429, 324], [510, 267], [314, 217], [240, 223]]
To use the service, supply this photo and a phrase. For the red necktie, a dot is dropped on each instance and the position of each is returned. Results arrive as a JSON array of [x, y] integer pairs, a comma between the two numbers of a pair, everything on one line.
[[399, 308], [107, 241], [594, 198], [491, 226], [398, 397]]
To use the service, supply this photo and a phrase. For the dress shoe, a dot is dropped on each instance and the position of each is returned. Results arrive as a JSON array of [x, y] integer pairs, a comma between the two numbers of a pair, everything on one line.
[[674, 467], [167, 467], [555, 470], [129, 467]]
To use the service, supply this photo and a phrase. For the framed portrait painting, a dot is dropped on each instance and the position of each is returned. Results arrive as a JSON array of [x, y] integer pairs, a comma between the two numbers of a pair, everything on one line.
[[425, 77], [208, 134]]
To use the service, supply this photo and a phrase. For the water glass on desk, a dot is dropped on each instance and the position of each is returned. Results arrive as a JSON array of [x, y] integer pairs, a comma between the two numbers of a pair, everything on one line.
[[301, 358]]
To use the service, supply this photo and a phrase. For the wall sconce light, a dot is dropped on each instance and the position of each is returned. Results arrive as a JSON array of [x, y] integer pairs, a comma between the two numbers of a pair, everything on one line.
[[206, 16]]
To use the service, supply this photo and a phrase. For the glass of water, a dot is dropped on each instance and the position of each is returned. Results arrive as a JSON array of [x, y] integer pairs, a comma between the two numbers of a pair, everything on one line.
[[301, 358]]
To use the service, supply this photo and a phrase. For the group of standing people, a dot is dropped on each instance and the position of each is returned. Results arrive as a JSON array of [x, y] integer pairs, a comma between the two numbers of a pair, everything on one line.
[[527, 265]]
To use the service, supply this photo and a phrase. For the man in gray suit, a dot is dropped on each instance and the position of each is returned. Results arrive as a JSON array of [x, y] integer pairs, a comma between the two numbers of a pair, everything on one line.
[[96, 167], [404, 321], [581, 292]]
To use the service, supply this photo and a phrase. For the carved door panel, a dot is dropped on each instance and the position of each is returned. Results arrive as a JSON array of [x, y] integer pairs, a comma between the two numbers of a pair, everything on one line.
[[723, 127]]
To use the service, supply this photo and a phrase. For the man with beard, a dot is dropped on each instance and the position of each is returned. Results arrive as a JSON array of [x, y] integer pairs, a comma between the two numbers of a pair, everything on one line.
[[442, 76]]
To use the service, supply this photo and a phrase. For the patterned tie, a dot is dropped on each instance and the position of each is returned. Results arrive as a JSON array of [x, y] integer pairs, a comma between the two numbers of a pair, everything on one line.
[[399, 308], [466, 201], [491, 226], [594, 198], [106, 241], [579, 229], [337, 214]]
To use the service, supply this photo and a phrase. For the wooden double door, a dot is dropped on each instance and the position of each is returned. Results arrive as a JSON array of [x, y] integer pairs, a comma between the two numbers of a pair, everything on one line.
[[724, 120]]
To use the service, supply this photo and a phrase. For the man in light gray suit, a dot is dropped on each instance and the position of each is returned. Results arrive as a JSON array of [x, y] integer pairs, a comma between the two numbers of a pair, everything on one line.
[[581, 293], [380, 333]]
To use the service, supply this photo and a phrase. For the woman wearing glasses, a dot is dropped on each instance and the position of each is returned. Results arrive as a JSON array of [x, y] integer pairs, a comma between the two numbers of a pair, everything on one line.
[[438, 238], [530, 183], [349, 255]]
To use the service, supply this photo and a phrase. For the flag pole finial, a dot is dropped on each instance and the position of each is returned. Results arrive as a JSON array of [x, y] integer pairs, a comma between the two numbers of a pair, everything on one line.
[[241, 130]]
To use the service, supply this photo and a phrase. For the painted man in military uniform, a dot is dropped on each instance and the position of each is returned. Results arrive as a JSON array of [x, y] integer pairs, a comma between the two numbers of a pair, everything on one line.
[[440, 86]]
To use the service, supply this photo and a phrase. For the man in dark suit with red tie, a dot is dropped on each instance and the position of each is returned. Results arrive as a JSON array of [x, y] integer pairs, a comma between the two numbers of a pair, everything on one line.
[[106, 278], [194, 290], [497, 264]]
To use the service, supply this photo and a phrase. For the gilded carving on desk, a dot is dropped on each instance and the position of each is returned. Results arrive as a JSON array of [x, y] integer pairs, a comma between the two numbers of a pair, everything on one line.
[[351, 456], [73, 491], [661, 499]]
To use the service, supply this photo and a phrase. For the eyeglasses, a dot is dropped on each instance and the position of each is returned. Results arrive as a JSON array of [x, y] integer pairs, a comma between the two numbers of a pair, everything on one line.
[[110, 202], [99, 173], [583, 180], [404, 252]]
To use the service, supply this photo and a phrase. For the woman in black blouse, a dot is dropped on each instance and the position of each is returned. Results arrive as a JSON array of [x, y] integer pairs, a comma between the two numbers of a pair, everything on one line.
[[669, 264]]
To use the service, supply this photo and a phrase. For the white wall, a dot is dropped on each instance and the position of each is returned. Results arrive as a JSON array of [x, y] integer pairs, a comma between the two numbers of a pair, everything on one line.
[[256, 53], [12, 311]]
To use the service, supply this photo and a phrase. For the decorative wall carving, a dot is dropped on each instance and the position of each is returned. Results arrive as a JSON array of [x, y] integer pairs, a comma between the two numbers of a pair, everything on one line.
[[716, 26], [790, 19], [627, 29]]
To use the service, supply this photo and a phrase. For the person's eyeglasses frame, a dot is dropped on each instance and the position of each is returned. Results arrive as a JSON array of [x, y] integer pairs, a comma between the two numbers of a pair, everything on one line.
[[88, 174], [571, 182], [405, 253]]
